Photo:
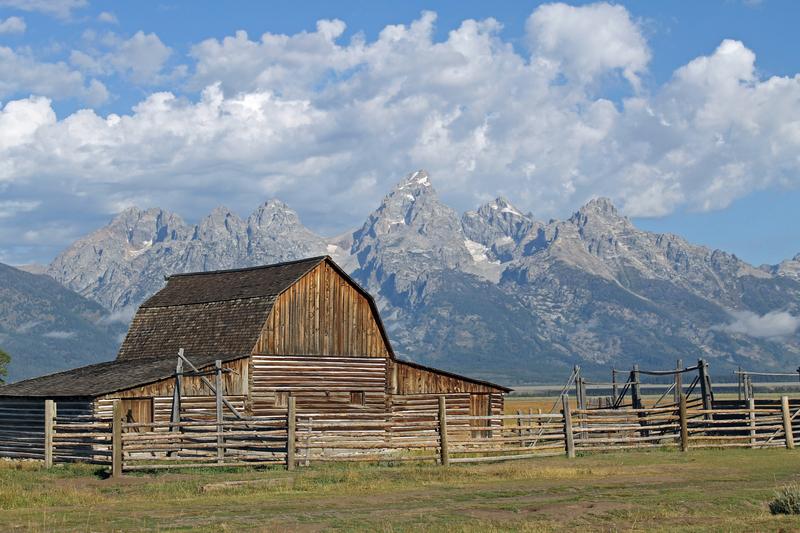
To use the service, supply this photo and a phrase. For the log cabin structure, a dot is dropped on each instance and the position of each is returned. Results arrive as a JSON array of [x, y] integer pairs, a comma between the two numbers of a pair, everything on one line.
[[301, 329]]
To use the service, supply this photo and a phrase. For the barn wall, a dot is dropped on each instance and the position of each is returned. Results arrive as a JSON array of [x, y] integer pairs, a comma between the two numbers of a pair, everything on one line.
[[410, 379], [200, 407], [322, 314], [197, 400], [22, 423], [319, 384]]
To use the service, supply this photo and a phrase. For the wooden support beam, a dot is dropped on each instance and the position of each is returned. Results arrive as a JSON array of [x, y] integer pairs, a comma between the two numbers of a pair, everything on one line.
[[209, 385], [705, 386], [116, 438], [218, 392], [787, 423], [291, 424], [751, 407], [49, 419], [175, 417], [568, 437], [444, 453], [684, 423]]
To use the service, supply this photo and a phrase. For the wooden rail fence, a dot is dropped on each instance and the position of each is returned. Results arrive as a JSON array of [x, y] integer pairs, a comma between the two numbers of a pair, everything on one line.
[[300, 439]]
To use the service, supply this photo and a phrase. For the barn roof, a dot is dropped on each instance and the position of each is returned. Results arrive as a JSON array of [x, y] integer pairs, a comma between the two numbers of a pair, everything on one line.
[[208, 313], [105, 378]]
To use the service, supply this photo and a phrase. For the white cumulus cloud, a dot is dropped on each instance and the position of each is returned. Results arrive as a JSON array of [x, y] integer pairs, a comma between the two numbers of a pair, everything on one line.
[[12, 25], [589, 41], [328, 123], [139, 58], [20, 71], [108, 17], [55, 8]]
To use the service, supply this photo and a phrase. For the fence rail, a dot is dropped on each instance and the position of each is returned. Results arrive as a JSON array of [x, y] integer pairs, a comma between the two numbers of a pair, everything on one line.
[[436, 436]]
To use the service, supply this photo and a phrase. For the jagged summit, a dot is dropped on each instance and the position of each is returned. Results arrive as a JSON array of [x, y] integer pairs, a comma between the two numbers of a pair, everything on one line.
[[415, 180]]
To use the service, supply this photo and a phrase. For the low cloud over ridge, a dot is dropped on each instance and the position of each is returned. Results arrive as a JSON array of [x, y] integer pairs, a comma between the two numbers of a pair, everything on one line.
[[772, 325]]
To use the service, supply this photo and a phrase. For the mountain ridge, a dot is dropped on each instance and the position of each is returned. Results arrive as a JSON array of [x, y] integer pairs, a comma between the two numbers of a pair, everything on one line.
[[589, 289]]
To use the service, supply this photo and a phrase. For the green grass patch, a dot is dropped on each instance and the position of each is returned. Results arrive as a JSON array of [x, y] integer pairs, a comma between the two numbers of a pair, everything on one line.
[[703, 490]]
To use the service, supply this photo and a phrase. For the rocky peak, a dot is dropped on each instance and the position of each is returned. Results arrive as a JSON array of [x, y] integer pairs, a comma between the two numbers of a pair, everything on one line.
[[410, 234], [273, 214], [598, 210], [143, 228], [498, 227], [496, 220], [220, 224], [415, 183], [275, 233]]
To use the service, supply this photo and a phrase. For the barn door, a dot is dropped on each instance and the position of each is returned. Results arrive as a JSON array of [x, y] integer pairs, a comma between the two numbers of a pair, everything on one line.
[[479, 405], [138, 411]]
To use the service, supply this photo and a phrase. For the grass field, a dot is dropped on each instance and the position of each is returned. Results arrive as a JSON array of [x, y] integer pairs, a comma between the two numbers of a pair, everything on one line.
[[700, 490]]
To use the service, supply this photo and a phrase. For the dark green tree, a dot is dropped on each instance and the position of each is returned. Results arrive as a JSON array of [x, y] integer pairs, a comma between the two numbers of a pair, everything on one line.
[[4, 360]]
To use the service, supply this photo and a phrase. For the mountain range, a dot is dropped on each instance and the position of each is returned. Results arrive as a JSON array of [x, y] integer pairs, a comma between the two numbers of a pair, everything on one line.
[[47, 327], [493, 292]]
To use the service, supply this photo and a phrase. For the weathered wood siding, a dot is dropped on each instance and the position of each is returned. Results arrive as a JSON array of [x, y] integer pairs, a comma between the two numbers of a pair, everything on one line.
[[319, 384], [410, 379], [197, 400], [22, 423], [322, 314]]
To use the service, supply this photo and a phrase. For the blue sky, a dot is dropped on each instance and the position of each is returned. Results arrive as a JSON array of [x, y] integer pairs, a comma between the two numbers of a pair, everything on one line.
[[687, 114]]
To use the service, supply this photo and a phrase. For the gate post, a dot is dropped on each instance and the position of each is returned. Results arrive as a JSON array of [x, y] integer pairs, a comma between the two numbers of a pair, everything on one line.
[[49, 419], [684, 423], [568, 438], [444, 454], [291, 426], [705, 387], [116, 439], [751, 415], [787, 423]]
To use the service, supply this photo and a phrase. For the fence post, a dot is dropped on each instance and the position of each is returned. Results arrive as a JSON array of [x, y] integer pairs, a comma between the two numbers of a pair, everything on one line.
[[568, 438], [636, 397], [444, 453], [116, 439], [678, 380], [705, 388], [751, 406], [291, 425], [614, 391], [787, 423], [218, 393], [684, 423], [49, 416]]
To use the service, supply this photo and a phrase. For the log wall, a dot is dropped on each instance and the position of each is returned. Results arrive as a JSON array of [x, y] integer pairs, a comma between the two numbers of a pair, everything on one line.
[[22, 424], [409, 378], [322, 314], [320, 385]]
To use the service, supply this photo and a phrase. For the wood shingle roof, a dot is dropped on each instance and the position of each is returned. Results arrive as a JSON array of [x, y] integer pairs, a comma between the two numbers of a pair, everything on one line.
[[105, 378], [210, 313]]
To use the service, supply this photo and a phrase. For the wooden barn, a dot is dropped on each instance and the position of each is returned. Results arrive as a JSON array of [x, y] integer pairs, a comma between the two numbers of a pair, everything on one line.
[[302, 329]]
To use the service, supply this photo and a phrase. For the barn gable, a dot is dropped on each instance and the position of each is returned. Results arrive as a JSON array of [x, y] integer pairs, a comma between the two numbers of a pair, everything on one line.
[[324, 313]]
